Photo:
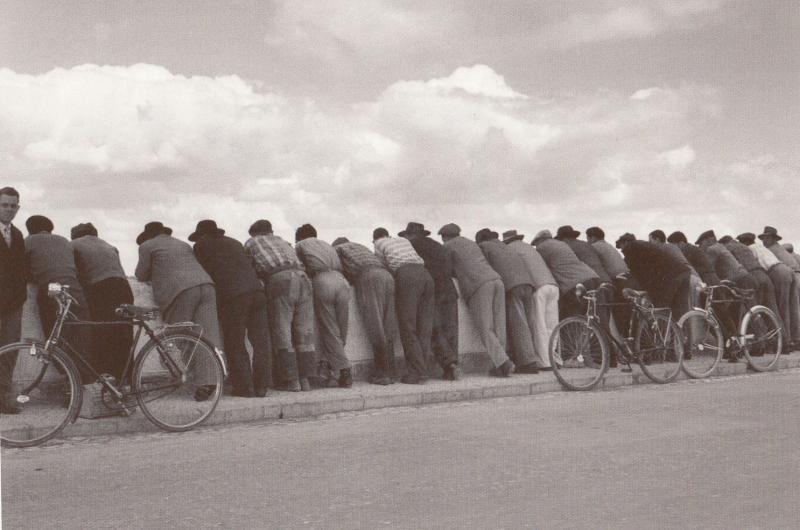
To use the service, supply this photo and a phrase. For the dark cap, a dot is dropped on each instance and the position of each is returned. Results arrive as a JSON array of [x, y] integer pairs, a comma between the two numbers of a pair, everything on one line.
[[627, 237], [595, 231], [379, 233], [304, 232], [82, 229], [677, 237], [725, 239], [38, 223], [658, 235], [262, 226], [484, 234], [748, 238], [450, 229], [705, 235]]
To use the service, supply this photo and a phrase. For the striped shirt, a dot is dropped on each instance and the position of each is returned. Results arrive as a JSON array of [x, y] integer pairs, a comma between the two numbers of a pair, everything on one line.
[[356, 258], [394, 252], [318, 256], [271, 254]]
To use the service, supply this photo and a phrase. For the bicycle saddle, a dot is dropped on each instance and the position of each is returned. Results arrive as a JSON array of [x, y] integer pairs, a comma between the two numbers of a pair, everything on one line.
[[633, 293], [137, 312]]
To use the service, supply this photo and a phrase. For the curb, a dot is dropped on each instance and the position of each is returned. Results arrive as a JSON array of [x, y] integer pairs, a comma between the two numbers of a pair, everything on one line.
[[363, 396]]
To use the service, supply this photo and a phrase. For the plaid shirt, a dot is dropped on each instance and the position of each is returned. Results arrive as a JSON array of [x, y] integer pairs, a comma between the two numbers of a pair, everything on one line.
[[395, 252], [356, 258], [271, 254]]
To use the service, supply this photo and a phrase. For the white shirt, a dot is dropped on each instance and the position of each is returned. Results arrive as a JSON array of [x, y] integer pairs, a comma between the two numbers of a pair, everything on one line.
[[6, 229], [765, 257]]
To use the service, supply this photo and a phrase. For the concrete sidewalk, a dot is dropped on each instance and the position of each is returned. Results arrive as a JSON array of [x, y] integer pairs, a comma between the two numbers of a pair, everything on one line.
[[363, 396]]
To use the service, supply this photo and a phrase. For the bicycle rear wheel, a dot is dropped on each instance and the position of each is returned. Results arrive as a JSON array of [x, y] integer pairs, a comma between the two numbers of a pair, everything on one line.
[[659, 347], [178, 380], [578, 353], [47, 389], [763, 338], [703, 343]]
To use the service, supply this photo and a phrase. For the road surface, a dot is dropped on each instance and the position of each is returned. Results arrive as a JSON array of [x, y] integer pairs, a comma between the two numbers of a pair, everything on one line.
[[723, 453]]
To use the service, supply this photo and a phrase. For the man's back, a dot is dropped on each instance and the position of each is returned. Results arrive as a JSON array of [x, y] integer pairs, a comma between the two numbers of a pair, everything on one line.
[[170, 265], [743, 255], [567, 269], [439, 264], [699, 261], [534, 262], [270, 253], [724, 263], [610, 257], [783, 255], [654, 268], [317, 255], [225, 260], [96, 260], [469, 265], [50, 258], [355, 259], [587, 254], [507, 263]]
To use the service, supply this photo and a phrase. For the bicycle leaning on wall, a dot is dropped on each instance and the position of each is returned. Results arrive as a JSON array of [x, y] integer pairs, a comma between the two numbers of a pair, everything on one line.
[[176, 377]]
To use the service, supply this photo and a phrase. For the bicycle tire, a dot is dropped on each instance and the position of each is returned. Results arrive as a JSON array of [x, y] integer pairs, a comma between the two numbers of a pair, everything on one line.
[[658, 345], [50, 399], [763, 338], [179, 385], [578, 353], [704, 343]]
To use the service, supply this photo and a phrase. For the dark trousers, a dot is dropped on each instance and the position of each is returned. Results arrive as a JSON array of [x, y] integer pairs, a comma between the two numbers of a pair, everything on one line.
[[569, 305], [10, 331], [765, 290], [414, 300], [376, 299], [241, 316], [80, 337], [445, 331], [112, 342], [519, 316]]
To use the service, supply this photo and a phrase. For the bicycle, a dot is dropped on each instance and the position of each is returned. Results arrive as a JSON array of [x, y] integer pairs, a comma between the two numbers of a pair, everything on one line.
[[176, 378], [759, 337], [579, 345]]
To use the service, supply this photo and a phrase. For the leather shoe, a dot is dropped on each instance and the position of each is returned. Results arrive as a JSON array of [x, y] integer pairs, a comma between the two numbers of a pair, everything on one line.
[[451, 372], [531, 368], [345, 378], [504, 370], [381, 380], [411, 379]]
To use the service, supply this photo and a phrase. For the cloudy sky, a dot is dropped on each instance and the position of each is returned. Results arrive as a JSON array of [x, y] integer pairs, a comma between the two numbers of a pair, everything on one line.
[[632, 115]]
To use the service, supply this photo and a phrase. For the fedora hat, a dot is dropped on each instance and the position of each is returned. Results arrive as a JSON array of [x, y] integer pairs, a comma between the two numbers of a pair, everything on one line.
[[204, 227], [770, 231], [627, 237], [511, 235], [151, 230], [450, 230], [340, 241], [540, 236], [566, 231], [705, 235], [748, 238], [413, 228], [82, 229]]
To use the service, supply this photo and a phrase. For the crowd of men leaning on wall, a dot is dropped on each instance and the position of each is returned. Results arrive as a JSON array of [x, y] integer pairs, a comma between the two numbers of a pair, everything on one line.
[[292, 302]]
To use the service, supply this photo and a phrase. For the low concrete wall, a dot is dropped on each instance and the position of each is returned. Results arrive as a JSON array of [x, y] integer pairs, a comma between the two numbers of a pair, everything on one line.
[[358, 349]]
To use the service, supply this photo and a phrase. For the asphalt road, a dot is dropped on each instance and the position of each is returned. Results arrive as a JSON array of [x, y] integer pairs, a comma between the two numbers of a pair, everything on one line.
[[712, 454]]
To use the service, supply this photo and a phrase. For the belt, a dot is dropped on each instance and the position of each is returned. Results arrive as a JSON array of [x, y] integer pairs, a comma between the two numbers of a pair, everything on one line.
[[278, 269]]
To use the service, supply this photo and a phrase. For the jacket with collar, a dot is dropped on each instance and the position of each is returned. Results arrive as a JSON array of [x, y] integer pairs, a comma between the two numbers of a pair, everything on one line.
[[13, 272]]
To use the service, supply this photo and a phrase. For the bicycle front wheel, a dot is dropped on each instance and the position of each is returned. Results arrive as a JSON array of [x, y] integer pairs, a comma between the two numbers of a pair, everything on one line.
[[44, 386], [659, 347], [178, 380], [703, 343], [762, 338], [578, 353]]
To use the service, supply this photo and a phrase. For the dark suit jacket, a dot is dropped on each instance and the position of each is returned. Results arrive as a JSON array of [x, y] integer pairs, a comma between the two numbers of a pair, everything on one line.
[[13, 272], [224, 259], [439, 264], [655, 269]]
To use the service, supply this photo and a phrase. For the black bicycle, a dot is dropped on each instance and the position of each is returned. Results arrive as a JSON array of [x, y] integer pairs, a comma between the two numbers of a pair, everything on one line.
[[580, 345], [176, 376]]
